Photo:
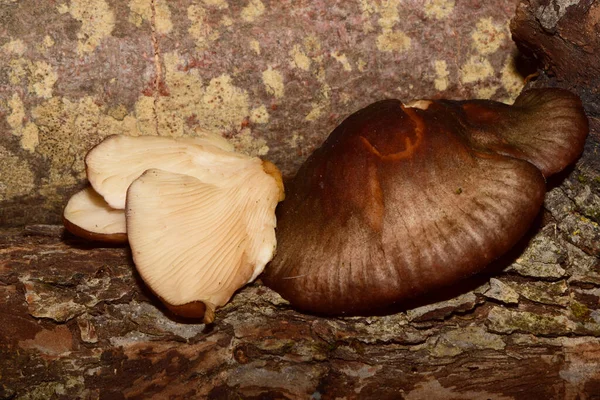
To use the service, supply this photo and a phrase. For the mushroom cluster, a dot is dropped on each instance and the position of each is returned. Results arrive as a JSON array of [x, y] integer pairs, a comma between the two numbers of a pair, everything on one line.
[[200, 218], [404, 199], [398, 201]]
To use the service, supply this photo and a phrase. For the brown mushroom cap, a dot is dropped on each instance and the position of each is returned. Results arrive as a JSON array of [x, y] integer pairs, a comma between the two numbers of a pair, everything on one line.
[[399, 201], [87, 215]]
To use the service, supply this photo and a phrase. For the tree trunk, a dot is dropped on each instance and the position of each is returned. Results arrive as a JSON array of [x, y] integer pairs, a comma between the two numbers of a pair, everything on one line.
[[77, 321]]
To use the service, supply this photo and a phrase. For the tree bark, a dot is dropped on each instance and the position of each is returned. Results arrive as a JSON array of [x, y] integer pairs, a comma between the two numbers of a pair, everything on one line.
[[77, 321]]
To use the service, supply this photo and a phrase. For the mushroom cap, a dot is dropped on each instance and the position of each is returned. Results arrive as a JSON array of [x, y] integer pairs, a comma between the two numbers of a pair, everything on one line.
[[118, 160], [87, 215], [400, 201], [195, 243]]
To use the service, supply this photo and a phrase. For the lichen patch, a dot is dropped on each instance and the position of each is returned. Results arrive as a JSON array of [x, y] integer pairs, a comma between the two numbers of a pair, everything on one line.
[[217, 107], [259, 115], [342, 59], [488, 36], [141, 10], [17, 177], [439, 9], [253, 10], [390, 41], [26, 130], [16, 47], [97, 22], [316, 112], [200, 30], [273, 81], [255, 46], [476, 69], [219, 4], [441, 75], [512, 81], [299, 59], [486, 92], [40, 76], [245, 143]]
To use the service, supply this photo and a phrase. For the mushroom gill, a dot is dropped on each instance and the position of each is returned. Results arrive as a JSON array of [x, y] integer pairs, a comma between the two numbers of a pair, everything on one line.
[[200, 218], [399, 201]]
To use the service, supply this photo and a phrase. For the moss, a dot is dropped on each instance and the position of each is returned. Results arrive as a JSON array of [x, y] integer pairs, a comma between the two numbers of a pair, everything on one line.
[[579, 311]]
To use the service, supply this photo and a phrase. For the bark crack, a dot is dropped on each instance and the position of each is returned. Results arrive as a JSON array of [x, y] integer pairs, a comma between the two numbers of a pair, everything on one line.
[[157, 64]]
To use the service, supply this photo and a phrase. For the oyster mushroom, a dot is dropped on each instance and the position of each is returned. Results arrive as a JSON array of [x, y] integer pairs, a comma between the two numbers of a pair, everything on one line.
[[200, 218], [87, 215], [399, 201]]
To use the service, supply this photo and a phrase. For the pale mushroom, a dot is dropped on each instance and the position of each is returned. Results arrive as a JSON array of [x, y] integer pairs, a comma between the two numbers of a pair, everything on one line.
[[87, 215], [200, 218], [195, 243]]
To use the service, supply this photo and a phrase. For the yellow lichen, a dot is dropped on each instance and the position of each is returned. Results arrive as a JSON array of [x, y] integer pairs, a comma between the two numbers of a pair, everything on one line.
[[295, 140], [393, 41], [48, 41], [16, 47], [217, 107], [315, 113], [220, 4], [259, 115], [487, 36], [67, 130], [255, 46], [299, 59], [476, 69], [97, 22], [200, 30], [253, 10], [245, 143], [17, 178], [361, 64], [441, 75], [512, 81], [439, 9], [141, 10], [486, 92], [342, 59], [27, 131], [388, 11], [273, 81], [40, 76], [62, 8], [226, 21]]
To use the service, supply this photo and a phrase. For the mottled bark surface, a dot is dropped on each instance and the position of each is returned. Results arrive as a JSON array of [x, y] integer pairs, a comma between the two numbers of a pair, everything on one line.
[[76, 320], [273, 76]]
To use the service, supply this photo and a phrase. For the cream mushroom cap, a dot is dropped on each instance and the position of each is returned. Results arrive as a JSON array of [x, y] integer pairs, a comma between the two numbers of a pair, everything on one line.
[[118, 160], [195, 242], [88, 215]]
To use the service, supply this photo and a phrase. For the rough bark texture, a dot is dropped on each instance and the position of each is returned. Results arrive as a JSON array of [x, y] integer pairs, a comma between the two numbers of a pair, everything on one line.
[[273, 76], [77, 322]]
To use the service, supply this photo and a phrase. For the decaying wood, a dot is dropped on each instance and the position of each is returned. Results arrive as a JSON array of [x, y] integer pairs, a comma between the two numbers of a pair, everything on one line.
[[77, 322]]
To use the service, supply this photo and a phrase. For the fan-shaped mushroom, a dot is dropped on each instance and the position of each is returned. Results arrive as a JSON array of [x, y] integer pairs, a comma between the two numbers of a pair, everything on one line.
[[200, 218], [87, 215], [402, 200]]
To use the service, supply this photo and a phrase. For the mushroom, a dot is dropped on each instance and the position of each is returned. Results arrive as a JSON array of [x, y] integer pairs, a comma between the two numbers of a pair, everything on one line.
[[195, 243], [200, 218], [87, 215], [402, 200]]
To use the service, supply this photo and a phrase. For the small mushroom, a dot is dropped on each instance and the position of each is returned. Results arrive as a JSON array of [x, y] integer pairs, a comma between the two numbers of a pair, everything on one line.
[[87, 215], [200, 218], [400, 201]]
